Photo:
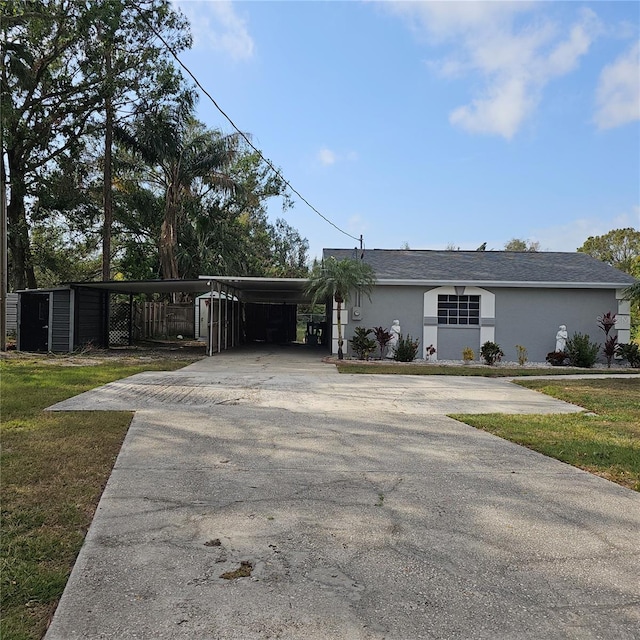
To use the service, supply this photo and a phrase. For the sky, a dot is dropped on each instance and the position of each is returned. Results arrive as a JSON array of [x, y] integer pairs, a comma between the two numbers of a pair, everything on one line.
[[432, 125]]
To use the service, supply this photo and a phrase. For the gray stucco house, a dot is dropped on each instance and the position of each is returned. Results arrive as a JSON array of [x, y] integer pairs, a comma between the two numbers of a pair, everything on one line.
[[458, 299]]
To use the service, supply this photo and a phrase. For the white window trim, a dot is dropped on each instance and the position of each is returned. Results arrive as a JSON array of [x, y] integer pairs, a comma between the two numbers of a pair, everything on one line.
[[487, 312]]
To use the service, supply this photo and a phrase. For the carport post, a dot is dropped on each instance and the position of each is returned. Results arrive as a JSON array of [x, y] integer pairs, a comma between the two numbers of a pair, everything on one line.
[[219, 317], [210, 316], [233, 322], [226, 318], [130, 319]]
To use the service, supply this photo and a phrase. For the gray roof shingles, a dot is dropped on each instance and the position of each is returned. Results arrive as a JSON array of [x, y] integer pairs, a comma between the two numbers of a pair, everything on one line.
[[487, 266]]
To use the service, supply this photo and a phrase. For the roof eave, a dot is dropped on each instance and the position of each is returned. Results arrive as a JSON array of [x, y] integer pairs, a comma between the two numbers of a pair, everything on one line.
[[504, 283]]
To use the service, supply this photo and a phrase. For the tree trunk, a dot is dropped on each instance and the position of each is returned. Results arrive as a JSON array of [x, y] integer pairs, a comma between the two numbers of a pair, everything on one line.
[[107, 193], [169, 236], [22, 275], [168, 263]]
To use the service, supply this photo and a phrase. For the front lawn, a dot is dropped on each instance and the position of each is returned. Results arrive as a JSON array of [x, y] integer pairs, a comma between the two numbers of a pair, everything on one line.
[[53, 469], [605, 441]]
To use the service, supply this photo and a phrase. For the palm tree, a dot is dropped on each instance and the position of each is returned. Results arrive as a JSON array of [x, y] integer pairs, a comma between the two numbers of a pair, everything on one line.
[[337, 279], [632, 293], [186, 161]]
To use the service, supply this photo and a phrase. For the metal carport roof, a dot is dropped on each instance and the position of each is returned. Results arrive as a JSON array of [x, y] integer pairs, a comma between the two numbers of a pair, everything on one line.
[[247, 289], [250, 289]]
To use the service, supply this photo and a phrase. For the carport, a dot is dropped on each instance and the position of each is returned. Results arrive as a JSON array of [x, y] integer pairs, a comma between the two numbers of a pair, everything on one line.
[[245, 309], [67, 317]]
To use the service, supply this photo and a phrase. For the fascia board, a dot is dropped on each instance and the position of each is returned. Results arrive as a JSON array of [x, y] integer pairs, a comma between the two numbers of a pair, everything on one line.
[[503, 283]]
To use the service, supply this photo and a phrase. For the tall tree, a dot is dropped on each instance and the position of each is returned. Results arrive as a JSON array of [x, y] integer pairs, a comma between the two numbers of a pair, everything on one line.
[[336, 280], [620, 248], [182, 155], [47, 103], [62, 65], [289, 253], [133, 65]]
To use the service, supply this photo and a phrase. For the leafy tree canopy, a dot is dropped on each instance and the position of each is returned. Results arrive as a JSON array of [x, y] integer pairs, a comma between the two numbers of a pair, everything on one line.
[[516, 244], [620, 248]]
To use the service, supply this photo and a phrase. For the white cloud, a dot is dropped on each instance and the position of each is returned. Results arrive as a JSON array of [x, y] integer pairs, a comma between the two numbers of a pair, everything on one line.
[[326, 156], [618, 92], [217, 26], [513, 61], [500, 112]]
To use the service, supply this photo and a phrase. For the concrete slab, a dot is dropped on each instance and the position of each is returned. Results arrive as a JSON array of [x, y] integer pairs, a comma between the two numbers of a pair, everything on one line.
[[358, 510], [300, 382]]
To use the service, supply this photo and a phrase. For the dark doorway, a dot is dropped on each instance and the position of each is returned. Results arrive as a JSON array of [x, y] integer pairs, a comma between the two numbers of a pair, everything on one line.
[[273, 323], [34, 322]]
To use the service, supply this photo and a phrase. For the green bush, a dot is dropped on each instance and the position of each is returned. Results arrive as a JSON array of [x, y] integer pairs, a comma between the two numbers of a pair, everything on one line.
[[491, 352], [406, 350], [630, 353], [581, 351], [362, 344]]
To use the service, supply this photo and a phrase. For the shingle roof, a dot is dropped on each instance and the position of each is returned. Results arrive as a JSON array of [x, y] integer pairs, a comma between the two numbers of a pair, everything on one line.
[[487, 266]]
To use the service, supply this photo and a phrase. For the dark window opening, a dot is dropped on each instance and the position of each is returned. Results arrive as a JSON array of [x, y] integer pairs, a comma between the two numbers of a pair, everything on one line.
[[459, 310]]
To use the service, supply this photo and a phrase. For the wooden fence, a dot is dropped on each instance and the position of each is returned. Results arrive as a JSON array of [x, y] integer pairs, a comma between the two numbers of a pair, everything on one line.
[[161, 319]]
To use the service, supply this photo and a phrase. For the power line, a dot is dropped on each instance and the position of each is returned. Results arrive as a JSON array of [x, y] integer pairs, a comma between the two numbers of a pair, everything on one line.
[[232, 123]]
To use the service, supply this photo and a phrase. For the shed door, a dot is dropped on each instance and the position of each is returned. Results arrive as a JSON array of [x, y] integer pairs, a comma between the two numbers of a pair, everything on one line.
[[34, 322]]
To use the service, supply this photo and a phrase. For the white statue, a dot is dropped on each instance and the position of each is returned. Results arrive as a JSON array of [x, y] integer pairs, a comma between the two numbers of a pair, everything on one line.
[[395, 332], [561, 338]]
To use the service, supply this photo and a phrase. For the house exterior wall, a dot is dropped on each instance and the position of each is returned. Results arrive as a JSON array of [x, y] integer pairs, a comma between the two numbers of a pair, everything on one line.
[[531, 317], [509, 316], [388, 303], [452, 340]]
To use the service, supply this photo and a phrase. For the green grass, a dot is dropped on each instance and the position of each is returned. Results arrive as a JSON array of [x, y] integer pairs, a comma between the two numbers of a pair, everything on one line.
[[410, 369], [606, 444], [53, 469]]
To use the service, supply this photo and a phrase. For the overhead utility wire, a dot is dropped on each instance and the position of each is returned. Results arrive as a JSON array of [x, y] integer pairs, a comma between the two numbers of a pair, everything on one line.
[[244, 136]]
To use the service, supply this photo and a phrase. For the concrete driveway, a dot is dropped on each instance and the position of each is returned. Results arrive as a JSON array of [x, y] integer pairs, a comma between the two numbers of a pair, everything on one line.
[[267, 496]]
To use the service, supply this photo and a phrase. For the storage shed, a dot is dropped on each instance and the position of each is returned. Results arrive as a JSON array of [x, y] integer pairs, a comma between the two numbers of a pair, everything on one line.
[[62, 319], [69, 317]]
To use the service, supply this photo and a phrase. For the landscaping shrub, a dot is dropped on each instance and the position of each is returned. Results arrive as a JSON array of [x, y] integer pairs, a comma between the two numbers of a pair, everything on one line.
[[630, 353], [362, 344], [610, 349], [522, 355], [491, 352], [606, 322], [407, 349], [383, 337], [468, 354], [581, 351], [557, 358]]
